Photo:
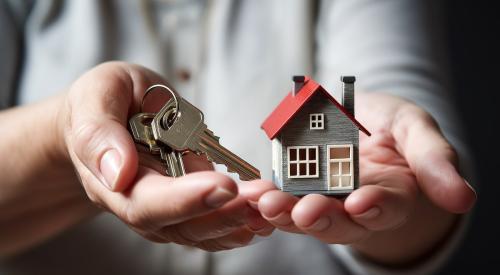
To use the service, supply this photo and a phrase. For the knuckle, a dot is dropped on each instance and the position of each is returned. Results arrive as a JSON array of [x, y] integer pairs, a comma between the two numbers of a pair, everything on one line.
[[83, 137], [151, 235], [243, 238], [87, 178], [179, 236], [410, 114], [212, 246], [96, 200], [136, 218], [233, 222], [112, 65], [155, 237]]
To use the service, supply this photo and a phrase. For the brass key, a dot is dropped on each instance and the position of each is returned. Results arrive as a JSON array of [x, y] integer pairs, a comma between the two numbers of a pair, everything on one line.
[[140, 126], [180, 126]]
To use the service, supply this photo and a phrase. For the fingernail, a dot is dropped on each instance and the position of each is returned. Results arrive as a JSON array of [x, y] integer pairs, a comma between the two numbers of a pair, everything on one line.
[[320, 225], [110, 167], [370, 213], [470, 186], [219, 197], [282, 219], [254, 205]]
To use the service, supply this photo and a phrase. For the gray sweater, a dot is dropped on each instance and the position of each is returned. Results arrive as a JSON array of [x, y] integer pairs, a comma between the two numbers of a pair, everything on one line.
[[226, 57]]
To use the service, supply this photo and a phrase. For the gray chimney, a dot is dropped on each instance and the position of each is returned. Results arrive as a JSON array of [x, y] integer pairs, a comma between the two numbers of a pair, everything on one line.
[[298, 83], [348, 93]]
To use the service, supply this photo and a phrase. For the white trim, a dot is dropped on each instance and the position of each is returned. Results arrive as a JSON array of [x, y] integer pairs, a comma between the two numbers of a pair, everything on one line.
[[317, 118], [307, 161], [339, 161], [277, 156]]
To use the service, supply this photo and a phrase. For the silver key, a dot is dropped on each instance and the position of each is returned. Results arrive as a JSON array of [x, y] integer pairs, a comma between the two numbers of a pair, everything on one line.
[[184, 129], [140, 126], [173, 161]]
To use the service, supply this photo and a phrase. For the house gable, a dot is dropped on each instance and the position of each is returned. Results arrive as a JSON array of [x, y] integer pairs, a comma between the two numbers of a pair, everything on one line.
[[292, 104], [336, 124]]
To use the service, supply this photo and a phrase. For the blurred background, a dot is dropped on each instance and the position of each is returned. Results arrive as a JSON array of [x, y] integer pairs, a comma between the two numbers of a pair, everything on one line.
[[474, 51]]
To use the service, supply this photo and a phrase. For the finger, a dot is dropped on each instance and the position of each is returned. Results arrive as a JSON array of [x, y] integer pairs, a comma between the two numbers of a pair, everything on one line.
[[253, 190], [258, 224], [432, 159], [239, 238], [325, 219], [100, 102], [210, 226], [382, 207], [276, 207], [156, 201]]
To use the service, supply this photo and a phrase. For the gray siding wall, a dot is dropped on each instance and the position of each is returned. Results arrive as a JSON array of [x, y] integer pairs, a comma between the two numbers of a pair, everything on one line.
[[338, 130]]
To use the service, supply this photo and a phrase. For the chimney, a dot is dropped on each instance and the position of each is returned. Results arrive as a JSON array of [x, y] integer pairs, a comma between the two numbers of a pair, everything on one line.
[[348, 93], [298, 83]]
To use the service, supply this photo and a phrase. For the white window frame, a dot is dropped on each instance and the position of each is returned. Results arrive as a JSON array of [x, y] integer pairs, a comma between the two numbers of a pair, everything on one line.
[[339, 161], [307, 161], [317, 118]]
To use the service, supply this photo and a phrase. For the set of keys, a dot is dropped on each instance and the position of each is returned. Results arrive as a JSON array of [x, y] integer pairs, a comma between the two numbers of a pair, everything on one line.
[[179, 128]]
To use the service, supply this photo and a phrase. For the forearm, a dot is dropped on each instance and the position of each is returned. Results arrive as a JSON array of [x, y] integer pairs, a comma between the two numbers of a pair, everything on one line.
[[41, 195]]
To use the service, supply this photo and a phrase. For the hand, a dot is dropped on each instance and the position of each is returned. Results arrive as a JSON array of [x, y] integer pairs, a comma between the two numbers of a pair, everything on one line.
[[407, 168], [202, 209]]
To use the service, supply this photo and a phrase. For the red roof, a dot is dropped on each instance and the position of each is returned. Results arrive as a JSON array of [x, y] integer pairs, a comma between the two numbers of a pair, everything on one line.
[[291, 104]]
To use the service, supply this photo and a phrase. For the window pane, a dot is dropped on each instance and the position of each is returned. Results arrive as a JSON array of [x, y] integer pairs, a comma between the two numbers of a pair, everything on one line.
[[312, 153], [340, 153], [334, 168], [334, 181], [346, 181], [313, 117], [313, 124], [293, 154], [303, 169], [293, 169], [346, 168], [302, 154], [312, 169], [320, 125]]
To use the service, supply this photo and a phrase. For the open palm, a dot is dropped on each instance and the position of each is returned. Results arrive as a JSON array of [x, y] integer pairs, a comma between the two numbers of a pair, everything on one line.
[[408, 178]]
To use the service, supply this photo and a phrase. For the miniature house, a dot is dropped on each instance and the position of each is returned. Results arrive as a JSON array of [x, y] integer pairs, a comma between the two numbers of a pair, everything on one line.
[[315, 140]]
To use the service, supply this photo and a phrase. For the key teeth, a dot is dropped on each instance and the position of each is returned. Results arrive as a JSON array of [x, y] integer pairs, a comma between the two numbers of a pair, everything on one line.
[[209, 158], [211, 133], [229, 170]]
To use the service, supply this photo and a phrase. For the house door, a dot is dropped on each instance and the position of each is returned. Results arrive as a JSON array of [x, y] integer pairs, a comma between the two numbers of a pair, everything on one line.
[[340, 167]]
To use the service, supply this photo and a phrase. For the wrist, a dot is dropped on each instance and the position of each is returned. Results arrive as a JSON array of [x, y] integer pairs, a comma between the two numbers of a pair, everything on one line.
[[57, 121], [49, 158]]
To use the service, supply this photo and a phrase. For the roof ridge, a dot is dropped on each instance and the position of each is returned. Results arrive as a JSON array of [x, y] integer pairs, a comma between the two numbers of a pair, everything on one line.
[[290, 105]]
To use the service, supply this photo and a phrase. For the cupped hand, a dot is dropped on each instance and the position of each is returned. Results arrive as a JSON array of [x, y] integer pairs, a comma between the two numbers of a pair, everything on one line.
[[410, 188], [202, 209]]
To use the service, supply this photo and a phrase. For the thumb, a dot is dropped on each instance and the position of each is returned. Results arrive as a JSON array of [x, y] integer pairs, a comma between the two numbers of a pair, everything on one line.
[[104, 148], [98, 140], [434, 161]]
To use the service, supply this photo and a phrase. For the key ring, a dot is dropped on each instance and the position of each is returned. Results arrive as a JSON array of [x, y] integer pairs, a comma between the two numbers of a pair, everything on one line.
[[171, 91]]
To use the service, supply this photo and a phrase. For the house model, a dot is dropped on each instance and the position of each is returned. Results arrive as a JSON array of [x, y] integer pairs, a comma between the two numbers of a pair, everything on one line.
[[315, 140]]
